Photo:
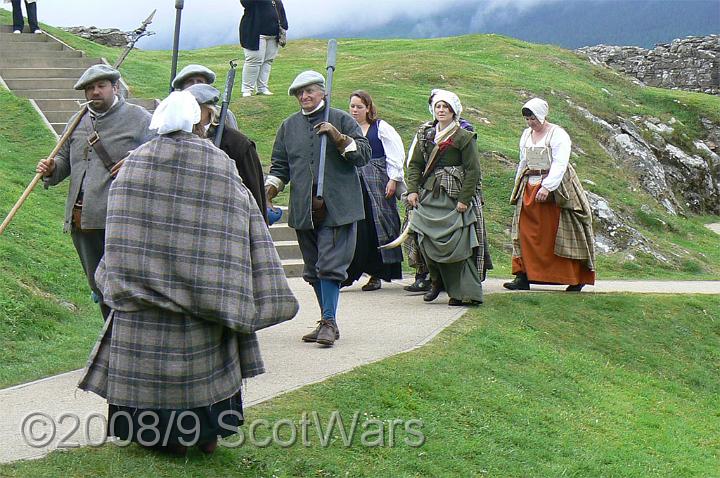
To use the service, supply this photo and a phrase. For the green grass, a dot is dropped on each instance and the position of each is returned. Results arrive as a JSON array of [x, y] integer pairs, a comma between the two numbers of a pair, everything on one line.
[[47, 323], [544, 384]]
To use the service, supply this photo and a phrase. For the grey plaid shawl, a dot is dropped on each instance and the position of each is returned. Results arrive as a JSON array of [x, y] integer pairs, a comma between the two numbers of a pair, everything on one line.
[[574, 239], [384, 211], [183, 234], [190, 272]]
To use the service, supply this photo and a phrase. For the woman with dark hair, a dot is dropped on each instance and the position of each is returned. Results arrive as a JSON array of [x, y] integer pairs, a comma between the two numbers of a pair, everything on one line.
[[552, 226], [380, 179], [445, 191]]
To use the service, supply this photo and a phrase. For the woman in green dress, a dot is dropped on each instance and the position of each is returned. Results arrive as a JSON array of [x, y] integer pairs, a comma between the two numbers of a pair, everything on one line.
[[445, 191]]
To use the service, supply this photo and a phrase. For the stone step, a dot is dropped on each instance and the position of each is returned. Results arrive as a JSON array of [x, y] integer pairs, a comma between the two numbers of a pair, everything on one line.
[[293, 267], [58, 105], [51, 94], [50, 62], [58, 127], [58, 116], [27, 73], [40, 84], [9, 29], [30, 49], [22, 55], [288, 249], [282, 232], [9, 37]]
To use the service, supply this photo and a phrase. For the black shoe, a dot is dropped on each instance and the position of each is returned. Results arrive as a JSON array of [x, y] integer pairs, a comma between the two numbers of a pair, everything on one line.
[[346, 283], [519, 283], [574, 288], [457, 303], [312, 336], [373, 284], [434, 291], [420, 285]]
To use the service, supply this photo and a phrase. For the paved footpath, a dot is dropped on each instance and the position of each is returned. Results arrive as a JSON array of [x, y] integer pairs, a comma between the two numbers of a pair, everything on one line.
[[407, 321]]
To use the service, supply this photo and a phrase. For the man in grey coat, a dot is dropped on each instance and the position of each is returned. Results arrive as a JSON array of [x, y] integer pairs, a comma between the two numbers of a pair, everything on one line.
[[107, 132], [327, 246]]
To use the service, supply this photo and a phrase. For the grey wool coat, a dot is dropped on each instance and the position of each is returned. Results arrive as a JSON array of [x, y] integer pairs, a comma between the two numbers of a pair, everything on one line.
[[123, 128], [191, 273], [295, 160]]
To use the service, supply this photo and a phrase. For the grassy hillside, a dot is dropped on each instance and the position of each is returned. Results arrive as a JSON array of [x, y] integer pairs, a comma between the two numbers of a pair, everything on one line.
[[493, 76], [47, 323]]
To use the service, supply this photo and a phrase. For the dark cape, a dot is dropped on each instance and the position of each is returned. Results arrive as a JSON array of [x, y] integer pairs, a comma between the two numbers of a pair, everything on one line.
[[242, 150]]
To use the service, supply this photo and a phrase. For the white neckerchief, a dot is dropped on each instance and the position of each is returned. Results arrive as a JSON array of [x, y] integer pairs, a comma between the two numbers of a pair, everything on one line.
[[441, 135], [96, 114], [319, 107]]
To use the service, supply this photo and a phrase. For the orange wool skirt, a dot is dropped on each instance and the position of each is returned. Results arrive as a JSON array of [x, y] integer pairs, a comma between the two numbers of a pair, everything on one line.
[[538, 228]]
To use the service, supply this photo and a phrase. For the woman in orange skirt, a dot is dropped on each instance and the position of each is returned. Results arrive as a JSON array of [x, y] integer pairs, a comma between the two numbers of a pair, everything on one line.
[[552, 225]]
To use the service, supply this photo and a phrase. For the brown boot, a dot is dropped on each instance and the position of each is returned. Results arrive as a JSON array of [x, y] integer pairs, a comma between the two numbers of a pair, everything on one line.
[[328, 333], [312, 336], [373, 284]]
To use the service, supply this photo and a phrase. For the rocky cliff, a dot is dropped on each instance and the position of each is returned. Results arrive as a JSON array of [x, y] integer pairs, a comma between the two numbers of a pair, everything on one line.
[[691, 63]]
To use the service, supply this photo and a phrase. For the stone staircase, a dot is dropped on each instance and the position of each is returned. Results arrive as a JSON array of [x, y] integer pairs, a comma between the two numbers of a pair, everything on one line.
[[287, 246], [44, 69]]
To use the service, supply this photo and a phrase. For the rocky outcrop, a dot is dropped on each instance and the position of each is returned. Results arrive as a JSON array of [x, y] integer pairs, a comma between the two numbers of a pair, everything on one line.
[[104, 36], [613, 233], [691, 63], [680, 180]]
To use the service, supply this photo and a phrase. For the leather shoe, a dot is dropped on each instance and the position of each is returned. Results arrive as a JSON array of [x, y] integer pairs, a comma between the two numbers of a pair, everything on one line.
[[312, 336], [574, 288], [519, 283], [346, 283], [420, 285], [373, 284], [434, 291], [457, 302], [327, 333]]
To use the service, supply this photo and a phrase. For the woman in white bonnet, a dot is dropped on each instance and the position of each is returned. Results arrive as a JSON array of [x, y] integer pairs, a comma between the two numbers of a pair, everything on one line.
[[445, 190], [552, 225]]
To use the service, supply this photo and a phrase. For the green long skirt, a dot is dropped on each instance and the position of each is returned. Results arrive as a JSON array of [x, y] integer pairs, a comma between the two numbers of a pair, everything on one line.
[[448, 242]]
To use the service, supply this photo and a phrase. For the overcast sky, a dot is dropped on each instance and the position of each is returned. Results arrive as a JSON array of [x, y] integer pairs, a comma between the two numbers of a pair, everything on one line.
[[570, 23], [215, 22]]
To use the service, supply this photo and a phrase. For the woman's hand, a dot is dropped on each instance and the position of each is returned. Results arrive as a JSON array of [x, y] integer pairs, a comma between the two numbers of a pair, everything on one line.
[[412, 199], [390, 189], [542, 194], [461, 207]]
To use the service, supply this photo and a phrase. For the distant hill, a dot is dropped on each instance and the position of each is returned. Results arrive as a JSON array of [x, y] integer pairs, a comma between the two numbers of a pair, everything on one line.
[[570, 24]]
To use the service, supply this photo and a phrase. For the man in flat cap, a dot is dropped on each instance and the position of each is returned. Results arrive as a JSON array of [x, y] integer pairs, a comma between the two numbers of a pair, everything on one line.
[[200, 75], [327, 244], [106, 133], [235, 144]]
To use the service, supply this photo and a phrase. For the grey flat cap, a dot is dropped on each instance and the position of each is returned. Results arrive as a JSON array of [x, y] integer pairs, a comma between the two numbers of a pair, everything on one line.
[[192, 70], [304, 79], [204, 94], [95, 73]]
